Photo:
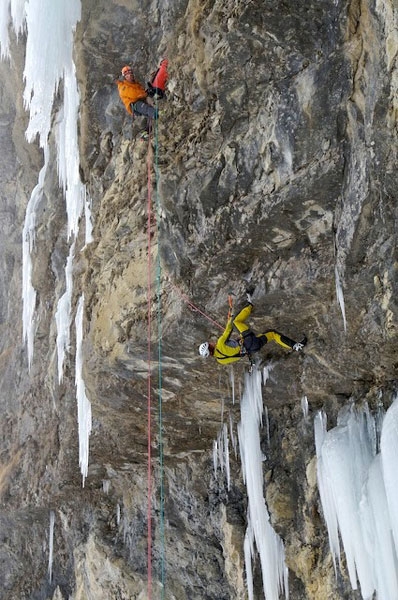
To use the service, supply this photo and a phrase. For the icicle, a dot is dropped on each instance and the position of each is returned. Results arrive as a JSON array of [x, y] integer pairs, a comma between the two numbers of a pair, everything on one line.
[[268, 543], [220, 447], [118, 511], [255, 397], [18, 15], [347, 454], [215, 457], [340, 296], [16, 18], [106, 486], [4, 35], [222, 411], [379, 543], [83, 404], [28, 241], [380, 414], [68, 153], [359, 490], [221, 454], [248, 549], [51, 546], [266, 371], [63, 314], [226, 456], [325, 490], [46, 63], [389, 454], [47, 59], [232, 435], [304, 406]]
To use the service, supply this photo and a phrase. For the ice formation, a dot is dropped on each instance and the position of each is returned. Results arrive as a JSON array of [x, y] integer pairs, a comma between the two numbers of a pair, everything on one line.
[[259, 533], [51, 546], [62, 315], [28, 242], [304, 406], [340, 296], [13, 10], [83, 403], [221, 454], [358, 487], [49, 26], [68, 152]]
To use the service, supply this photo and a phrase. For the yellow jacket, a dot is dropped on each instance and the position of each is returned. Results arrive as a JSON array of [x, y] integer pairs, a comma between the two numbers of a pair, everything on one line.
[[130, 92], [226, 350]]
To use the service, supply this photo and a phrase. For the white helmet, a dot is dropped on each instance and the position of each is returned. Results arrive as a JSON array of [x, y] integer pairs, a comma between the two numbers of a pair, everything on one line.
[[204, 349]]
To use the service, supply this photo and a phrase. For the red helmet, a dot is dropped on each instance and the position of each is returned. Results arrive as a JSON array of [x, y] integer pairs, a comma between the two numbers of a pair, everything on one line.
[[126, 70]]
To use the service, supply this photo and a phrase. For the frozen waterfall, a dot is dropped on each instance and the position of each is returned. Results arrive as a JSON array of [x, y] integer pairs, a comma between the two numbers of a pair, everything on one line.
[[358, 485], [49, 26], [259, 529], [260, 538]]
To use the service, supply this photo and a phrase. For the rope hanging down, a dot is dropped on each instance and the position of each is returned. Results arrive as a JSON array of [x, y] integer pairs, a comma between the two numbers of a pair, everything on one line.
[[149, 381], [149, 350], [195, 308], [160, 382], [149, 389]]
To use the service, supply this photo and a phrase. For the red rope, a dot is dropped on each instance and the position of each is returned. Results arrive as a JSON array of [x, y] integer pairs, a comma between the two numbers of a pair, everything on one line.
[[149, 295], [195, 308]]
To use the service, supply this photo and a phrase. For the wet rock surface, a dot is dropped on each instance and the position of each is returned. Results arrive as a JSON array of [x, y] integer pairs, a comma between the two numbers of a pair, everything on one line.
[[277, 150]]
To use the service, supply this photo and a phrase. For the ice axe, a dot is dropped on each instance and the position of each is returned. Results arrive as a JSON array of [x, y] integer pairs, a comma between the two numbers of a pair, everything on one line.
[[230, 303]]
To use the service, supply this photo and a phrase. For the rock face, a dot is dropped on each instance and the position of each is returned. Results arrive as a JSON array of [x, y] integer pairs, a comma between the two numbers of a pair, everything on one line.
[[276, 156]]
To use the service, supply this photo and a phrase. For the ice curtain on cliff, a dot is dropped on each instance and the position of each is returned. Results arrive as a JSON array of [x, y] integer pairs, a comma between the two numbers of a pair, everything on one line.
[[358, 484], [261, 541], [49, 26]]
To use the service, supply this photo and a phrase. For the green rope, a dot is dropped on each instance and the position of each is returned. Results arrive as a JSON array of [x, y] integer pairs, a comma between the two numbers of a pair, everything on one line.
[[160, 398]]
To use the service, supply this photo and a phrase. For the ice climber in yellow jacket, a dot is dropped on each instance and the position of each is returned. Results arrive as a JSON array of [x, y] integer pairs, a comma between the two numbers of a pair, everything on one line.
[[227, 350]]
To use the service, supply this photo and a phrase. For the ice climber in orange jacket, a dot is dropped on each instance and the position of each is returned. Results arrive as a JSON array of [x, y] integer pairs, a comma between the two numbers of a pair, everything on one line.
[[136, 99]]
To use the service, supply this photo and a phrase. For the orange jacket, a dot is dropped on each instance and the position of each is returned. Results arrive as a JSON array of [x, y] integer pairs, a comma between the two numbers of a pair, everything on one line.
[[130, 92]]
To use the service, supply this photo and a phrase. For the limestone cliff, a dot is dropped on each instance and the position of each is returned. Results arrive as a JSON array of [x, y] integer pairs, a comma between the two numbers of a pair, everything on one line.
[[277, 152]]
